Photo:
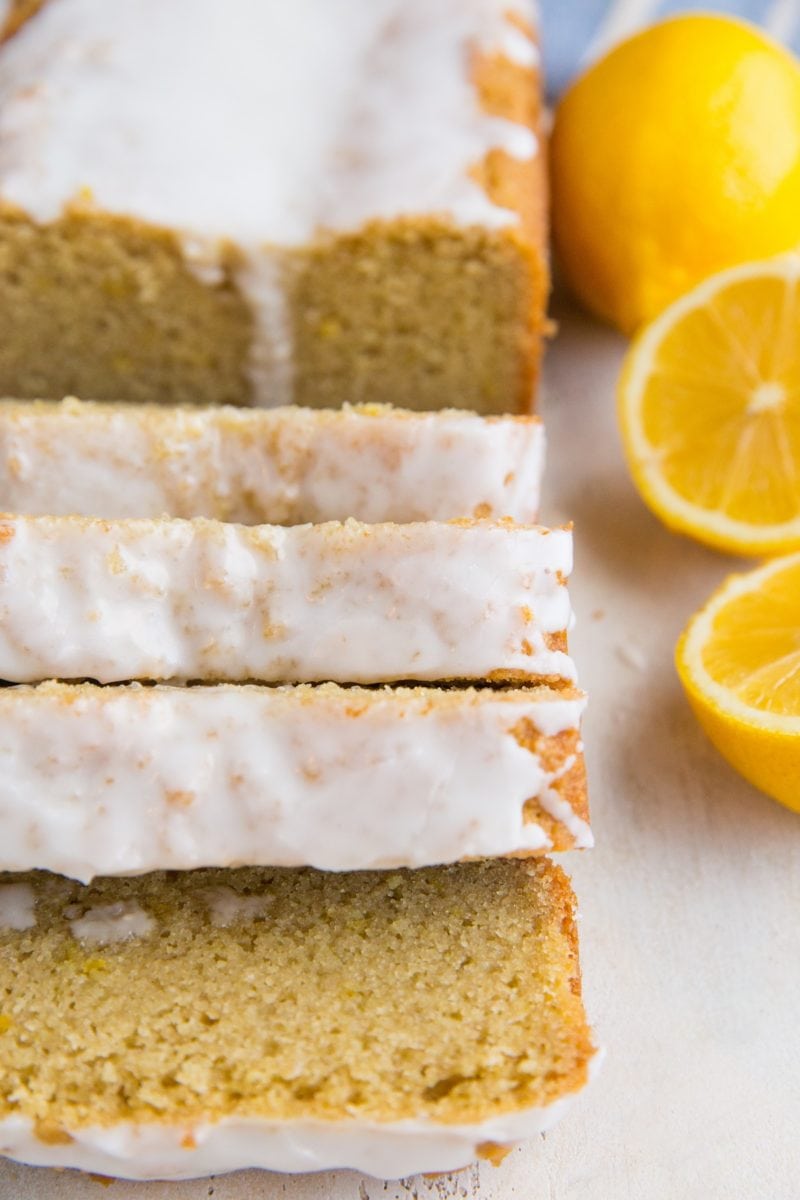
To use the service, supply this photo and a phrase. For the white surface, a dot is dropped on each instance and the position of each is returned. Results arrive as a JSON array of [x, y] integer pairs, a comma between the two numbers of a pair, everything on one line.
[[132, 779], [691, 901], [206, 601], [234, 144], [282, 466]]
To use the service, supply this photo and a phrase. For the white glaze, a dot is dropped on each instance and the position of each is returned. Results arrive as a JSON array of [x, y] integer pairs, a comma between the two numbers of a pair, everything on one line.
[[516, 45], [17, 906], [386, 1151], [203, 600], [561, 810], [227, 907], [133, 779], [324, 114], [107, 923], [270, 367], [283, 466]]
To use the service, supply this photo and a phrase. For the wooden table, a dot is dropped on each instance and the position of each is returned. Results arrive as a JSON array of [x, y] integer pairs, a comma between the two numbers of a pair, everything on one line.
[[691, 901]]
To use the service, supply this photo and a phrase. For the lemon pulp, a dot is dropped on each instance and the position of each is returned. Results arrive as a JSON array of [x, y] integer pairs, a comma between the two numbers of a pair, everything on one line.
[[710, 410], [739, 662]]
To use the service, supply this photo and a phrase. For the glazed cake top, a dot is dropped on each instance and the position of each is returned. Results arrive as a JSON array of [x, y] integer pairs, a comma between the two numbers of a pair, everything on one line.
[[341, 601], [284, 466], [256, 116]]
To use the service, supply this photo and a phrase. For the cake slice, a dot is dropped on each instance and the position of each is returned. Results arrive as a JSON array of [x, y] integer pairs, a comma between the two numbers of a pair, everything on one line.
[[352, 603], [355, 210], [130, 779], [178, 1025], [280, 466]]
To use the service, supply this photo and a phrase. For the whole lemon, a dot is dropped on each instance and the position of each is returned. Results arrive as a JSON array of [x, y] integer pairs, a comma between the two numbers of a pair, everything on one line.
[[676, 155]]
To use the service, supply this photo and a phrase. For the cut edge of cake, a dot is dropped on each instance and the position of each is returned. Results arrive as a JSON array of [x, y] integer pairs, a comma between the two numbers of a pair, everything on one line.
[[391, 1078]]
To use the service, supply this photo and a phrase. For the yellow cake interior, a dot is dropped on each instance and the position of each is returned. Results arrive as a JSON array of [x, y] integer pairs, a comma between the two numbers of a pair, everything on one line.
[[449, 993]]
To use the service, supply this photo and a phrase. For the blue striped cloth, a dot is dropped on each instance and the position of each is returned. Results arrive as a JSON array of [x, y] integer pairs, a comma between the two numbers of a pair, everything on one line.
[[573, 31]]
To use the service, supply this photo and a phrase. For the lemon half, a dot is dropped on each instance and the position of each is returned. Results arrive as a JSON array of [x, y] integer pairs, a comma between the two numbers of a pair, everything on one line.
[[709, 407], [739, 662]]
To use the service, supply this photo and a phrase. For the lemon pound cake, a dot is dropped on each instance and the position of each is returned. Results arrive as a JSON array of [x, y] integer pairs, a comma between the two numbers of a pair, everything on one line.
[[131, 779], [354, 211], [181, 1025], [352, 603], [281, 466]]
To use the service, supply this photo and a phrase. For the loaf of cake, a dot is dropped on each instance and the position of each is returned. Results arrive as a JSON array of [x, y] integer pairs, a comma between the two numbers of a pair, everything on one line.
[[279, 466], [261, 202], [205, 1021], [353, 603], [130, 779]]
